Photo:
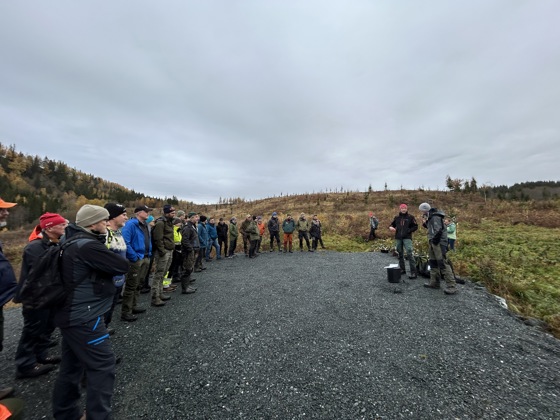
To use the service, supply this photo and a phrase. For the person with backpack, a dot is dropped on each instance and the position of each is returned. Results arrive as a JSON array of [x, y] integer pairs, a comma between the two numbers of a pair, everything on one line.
[[403, 226], [89, 267], [136, 235], [32, 358], [163, 241], [437, 250]]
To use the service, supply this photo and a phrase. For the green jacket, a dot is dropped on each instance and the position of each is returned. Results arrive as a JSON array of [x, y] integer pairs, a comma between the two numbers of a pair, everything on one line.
[[253, 231], [163, 236], [451, 231], [233, 231], [288, 226], [302, 225]]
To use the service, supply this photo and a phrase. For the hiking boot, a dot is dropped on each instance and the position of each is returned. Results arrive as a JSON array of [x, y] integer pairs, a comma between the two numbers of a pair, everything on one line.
[[413, 276], [188, 291], [271, 250], [129, 317], [459, 280], [164, 297], [158, 302], [145, 290], [138, 310], [450, 290], [50, 360], [433, 284], [36, 370]]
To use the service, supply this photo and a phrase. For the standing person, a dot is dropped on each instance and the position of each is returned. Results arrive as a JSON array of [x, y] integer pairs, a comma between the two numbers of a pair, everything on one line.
[[288, 227], [253, 232], [222, 229], [146, 283], [315, 232], [174, 273], [373, 224], [115, 242], [274, 231], [451, 233], [403, 226], [437, 249], [189, 247], [90, 267], [136, 234], [203, 240], [233, 234], [261, 226], [8, 285], [302, 226], [163, 241], [212, 239], [32, 357], [245, 234], [320, 238]]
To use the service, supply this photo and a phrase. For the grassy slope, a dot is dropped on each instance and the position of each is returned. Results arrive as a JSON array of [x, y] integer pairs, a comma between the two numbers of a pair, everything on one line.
[[511, 247]]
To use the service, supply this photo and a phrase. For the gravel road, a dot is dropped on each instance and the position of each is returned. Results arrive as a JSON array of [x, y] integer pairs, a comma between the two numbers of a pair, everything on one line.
[[321, 336]]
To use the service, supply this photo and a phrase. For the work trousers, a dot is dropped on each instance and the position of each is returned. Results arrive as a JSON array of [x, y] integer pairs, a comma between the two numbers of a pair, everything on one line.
[[162, 262], [85, 347], [407, 245], [137, 272], [35, 337]]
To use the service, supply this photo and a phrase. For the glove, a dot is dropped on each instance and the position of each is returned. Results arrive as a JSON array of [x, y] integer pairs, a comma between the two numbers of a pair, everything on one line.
[[437, 238]]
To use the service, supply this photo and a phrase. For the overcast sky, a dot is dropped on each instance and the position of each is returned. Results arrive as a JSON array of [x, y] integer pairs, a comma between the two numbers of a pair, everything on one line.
[[209, 99]]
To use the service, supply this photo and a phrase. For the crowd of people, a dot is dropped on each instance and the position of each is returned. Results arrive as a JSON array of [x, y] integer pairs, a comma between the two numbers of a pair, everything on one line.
[[110, 259]]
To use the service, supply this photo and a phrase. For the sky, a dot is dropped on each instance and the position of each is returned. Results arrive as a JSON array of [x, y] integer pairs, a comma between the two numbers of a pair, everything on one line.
[[205, 100]]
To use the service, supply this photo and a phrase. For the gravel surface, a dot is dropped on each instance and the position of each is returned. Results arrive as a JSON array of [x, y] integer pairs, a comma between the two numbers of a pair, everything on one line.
[[323, 336]]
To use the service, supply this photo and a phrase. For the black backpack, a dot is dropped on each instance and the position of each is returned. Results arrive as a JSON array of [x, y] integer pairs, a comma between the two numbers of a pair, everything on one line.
[[44, 287]]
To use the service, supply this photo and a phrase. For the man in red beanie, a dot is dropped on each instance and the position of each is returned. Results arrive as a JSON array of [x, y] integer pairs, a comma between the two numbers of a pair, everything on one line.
[[32, 357]]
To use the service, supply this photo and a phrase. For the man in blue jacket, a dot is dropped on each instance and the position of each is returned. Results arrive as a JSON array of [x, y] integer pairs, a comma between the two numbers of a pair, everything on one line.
[[136, 234]]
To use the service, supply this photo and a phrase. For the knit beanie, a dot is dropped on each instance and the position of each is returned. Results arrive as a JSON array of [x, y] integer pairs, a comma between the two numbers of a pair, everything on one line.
[[115, 209], [51, 219], [90, 214], [168, 208], [180, 213], [424, 207], [191, 214]]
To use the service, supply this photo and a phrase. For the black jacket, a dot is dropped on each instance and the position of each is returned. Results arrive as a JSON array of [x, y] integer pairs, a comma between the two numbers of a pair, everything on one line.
[[405, 225], [189, 237], [91, 266], [222, 229]]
